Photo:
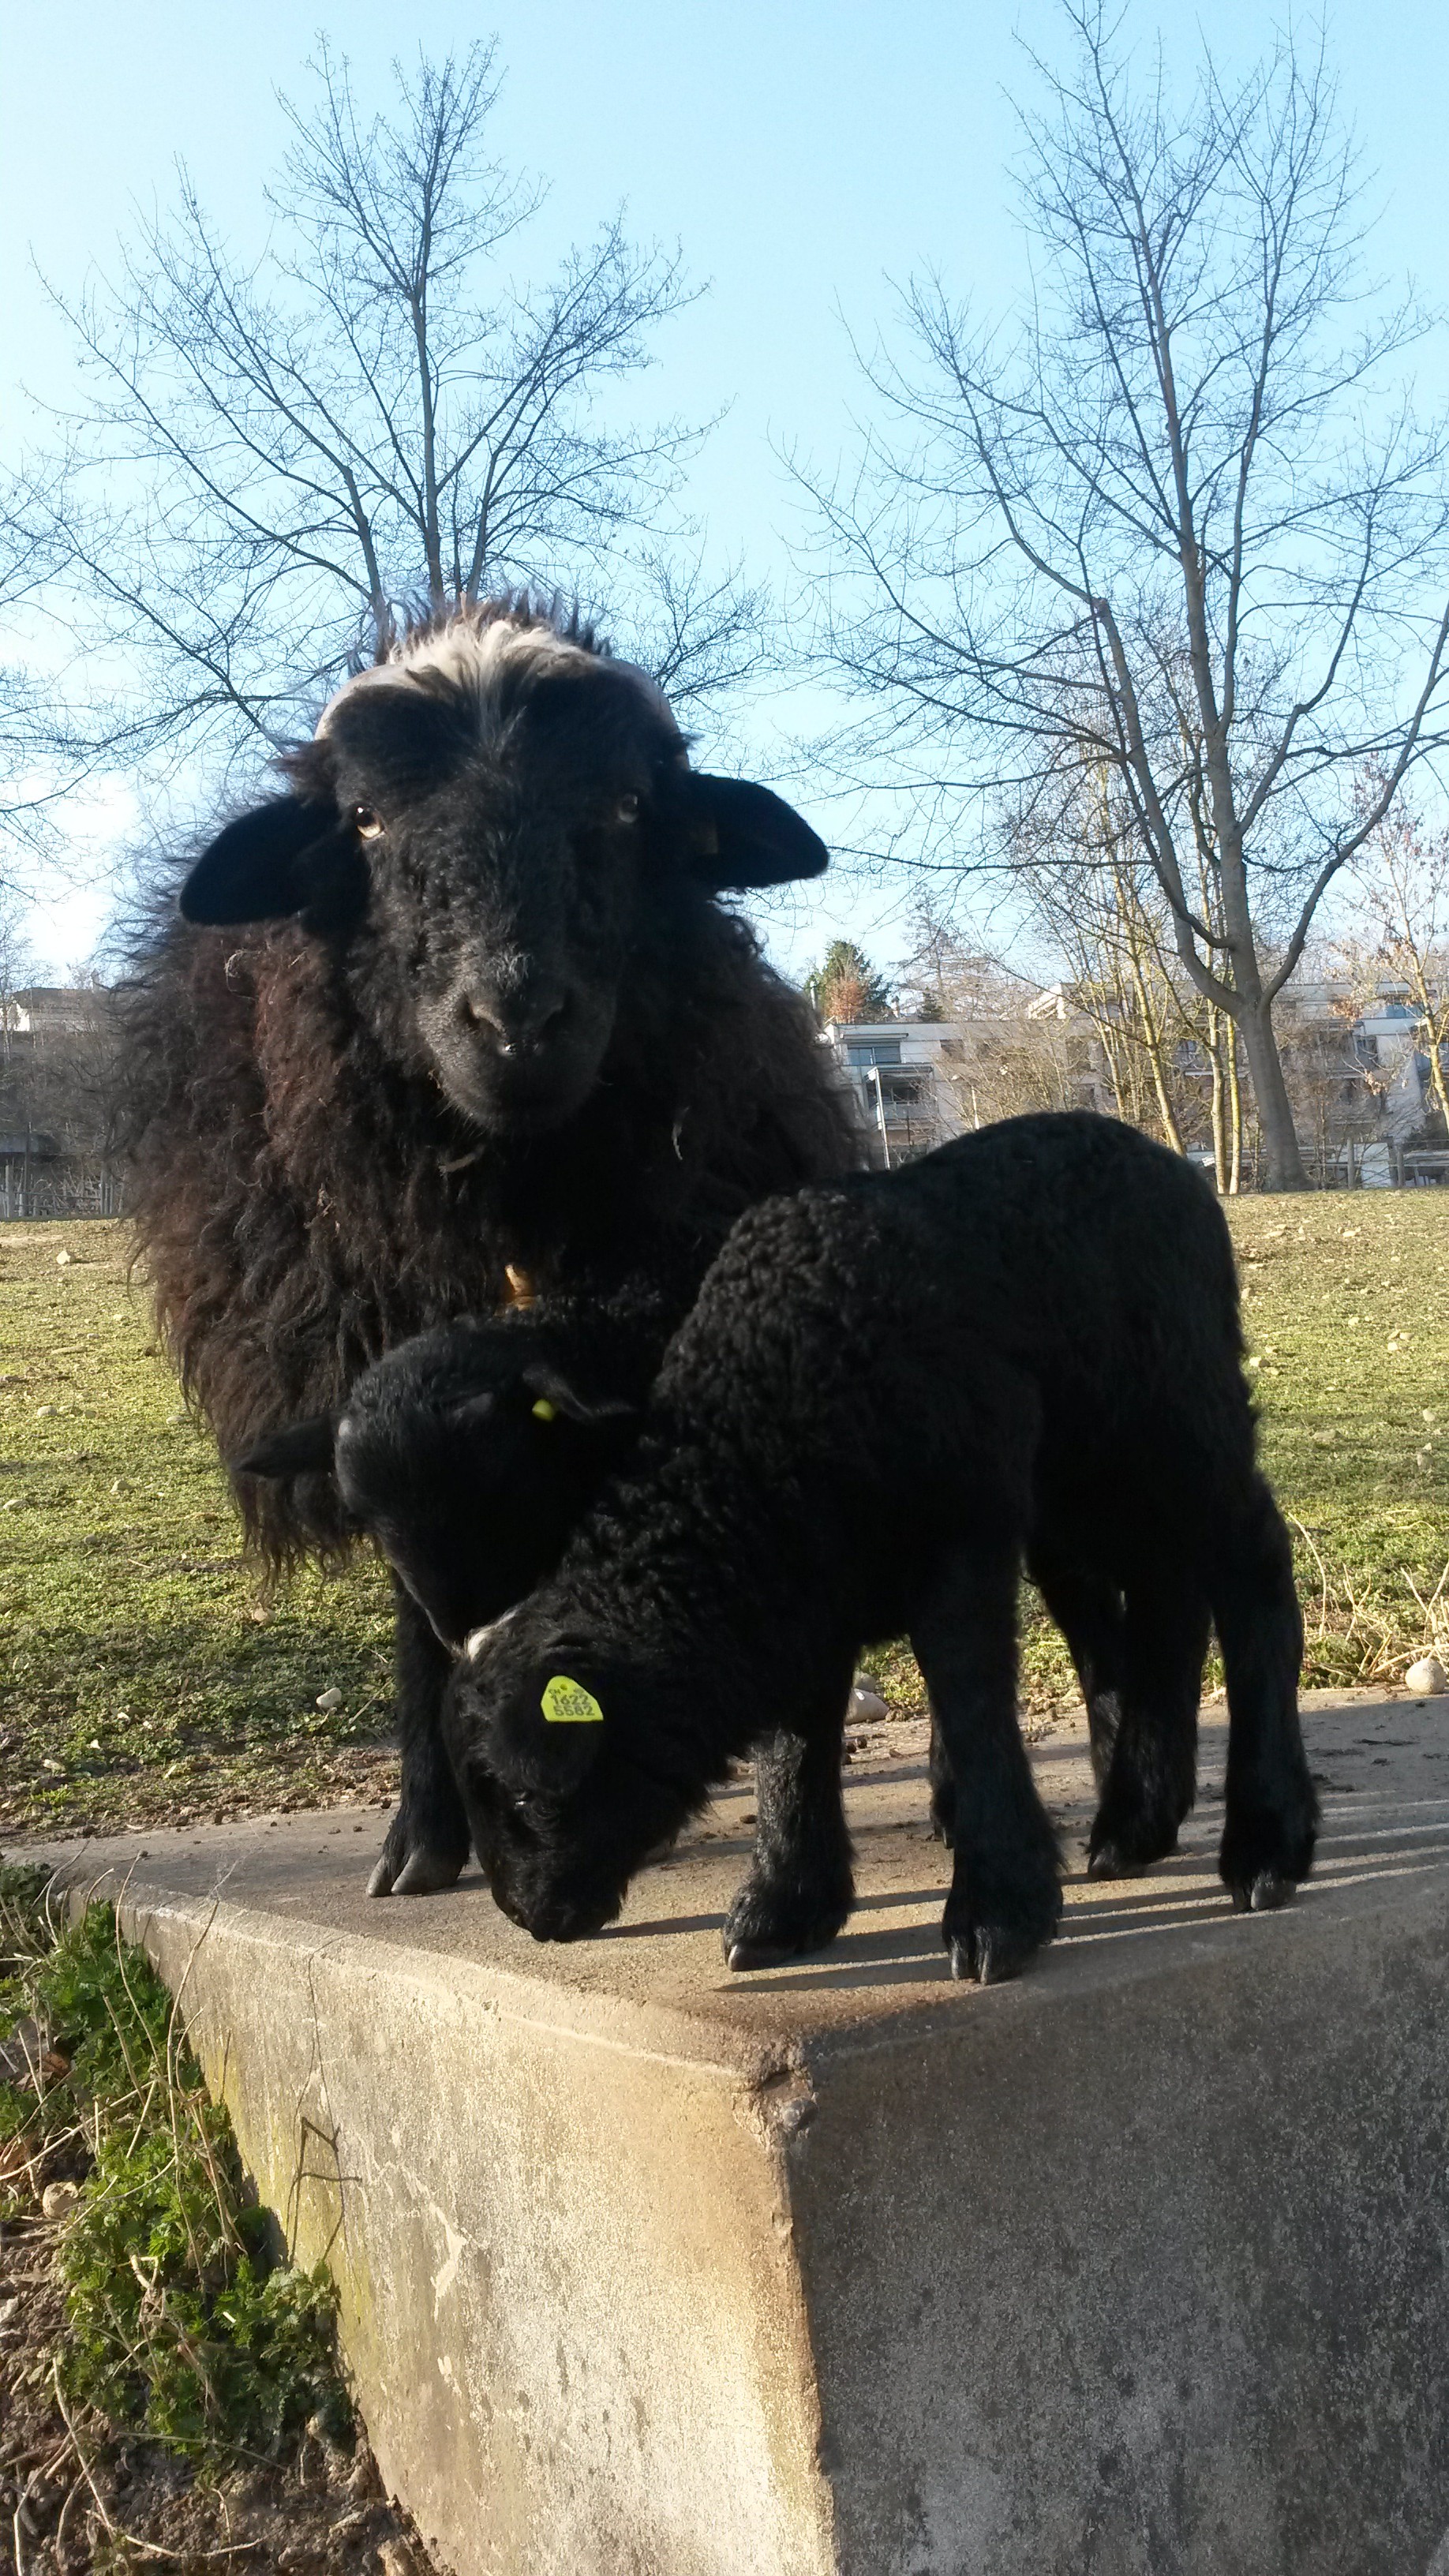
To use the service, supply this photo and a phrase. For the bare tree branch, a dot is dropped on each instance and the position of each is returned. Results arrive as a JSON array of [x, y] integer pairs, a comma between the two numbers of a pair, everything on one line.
[[1181, 524], [280, 457]]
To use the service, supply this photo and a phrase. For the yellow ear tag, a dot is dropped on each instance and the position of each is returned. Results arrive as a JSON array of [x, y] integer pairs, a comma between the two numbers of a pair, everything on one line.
[[567, 1703], [543, 1411]]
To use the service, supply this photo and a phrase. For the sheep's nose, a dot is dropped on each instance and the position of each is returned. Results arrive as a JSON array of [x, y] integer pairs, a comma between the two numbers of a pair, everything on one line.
[[516, 1023]]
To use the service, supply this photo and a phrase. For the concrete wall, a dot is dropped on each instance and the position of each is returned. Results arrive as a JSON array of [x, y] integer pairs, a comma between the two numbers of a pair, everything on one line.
[[1139, 2267]]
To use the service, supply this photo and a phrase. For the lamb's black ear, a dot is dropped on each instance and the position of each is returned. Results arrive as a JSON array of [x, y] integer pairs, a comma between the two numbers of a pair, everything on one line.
[[542, 1379], [303, 1449], [256, 869], [739, 835]]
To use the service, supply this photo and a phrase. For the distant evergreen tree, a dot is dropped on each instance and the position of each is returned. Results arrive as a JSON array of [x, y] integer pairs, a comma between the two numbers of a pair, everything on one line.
[[845, 985]]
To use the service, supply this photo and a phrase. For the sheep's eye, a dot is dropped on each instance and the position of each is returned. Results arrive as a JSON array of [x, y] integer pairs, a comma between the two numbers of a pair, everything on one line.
[[369, 825], [627, 810]]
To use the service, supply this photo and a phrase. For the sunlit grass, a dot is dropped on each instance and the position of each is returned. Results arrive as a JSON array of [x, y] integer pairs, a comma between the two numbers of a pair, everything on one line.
[[147, 1675]]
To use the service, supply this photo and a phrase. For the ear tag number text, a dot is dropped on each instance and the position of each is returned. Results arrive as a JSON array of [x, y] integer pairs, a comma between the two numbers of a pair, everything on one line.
[[567, 1703]]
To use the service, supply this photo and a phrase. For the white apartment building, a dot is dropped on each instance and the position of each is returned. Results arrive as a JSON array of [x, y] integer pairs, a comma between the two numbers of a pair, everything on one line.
[[893, 1071]]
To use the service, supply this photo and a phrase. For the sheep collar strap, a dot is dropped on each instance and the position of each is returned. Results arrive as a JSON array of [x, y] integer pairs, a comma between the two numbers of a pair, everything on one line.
[[567, 1703]]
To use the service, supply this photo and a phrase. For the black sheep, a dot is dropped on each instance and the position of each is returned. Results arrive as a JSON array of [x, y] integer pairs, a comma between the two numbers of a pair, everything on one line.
[[890, 1394], [456, 1019]]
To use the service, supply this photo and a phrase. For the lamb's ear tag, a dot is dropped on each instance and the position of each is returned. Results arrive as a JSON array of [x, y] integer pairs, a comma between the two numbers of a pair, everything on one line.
[[543, 1411], [567, 1703]]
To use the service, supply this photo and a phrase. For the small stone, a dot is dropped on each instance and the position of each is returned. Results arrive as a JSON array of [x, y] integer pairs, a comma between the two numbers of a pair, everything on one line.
[[329, 1699], [42, 1410], [46, 1764], [62, 1261], [57, 2198], [867, 1708], [1427, 1678]]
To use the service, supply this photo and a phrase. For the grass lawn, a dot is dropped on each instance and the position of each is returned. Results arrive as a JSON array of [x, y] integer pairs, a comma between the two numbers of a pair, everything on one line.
[[148, 1678]]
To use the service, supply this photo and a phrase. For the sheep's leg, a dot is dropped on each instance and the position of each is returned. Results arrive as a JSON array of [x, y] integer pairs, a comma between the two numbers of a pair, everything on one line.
[[1152, 1780], [1005, 1898], [943, 1788], [800, 1888], [1087, 1607], [1272, 1812], [427, 1841]]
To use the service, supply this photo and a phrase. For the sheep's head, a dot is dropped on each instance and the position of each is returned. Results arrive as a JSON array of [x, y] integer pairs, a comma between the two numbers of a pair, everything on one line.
[[569, 1767], [490, 824], [468, 1455]]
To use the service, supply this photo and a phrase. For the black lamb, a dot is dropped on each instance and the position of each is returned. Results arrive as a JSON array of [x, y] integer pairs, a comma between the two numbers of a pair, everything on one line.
[[891, 1393], [469, 1454], [458, 1020]]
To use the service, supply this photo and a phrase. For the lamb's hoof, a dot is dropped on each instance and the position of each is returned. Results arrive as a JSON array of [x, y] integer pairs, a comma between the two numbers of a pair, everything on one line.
[[989, 1955], [943, 1830], [1267, 1894], [422, 1871], [1265, 1856], [991, 1941], [767, 1926], [743, 1955], [1125, 1848], [1120, 1856]]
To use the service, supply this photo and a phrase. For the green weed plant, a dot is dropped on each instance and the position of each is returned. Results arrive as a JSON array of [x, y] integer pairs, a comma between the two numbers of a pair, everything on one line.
[[182, 2326]]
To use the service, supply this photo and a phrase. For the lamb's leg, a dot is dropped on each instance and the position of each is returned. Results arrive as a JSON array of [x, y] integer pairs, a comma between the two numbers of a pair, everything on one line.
[[943, 1788], [427, 1841], [1272, 1812], [1152, 1780], [1087, 1607], [1005, 1898], [800, 1888]]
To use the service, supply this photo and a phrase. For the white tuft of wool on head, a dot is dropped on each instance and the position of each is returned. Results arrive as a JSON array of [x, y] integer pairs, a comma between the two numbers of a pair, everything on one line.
[[470, 652]]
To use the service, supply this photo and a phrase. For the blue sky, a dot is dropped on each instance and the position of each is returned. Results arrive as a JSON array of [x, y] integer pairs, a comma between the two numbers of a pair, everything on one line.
[[805, 155]]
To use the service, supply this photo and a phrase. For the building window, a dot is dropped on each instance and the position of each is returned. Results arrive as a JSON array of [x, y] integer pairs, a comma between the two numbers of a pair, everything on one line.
[[873, 1051]]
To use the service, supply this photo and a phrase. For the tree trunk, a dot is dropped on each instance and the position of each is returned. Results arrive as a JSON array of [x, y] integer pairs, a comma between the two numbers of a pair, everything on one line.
[[1282, 1163], [1216, 1025], [1235, 1105]]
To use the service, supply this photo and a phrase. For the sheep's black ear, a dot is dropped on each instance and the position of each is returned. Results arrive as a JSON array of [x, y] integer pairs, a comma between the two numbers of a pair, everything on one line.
[[256, 870], [542, 1379], [740, 835], [303, 1449]]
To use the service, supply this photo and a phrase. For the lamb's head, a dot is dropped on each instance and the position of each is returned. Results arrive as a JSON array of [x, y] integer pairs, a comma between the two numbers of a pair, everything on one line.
[[569, 1767], [491, 825], [468, 1454]]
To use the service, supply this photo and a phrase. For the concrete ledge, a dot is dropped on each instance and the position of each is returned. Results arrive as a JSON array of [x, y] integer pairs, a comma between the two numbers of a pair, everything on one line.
[[1139, 2266]]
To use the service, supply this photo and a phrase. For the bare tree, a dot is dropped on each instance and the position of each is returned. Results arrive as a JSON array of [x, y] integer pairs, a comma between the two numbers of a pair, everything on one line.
[[280, 457], [1179, 524], [39, 762], [1401, 877]]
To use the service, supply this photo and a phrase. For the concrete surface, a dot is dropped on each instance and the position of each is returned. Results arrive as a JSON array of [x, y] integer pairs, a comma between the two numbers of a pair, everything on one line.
[[1135, 2267]]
